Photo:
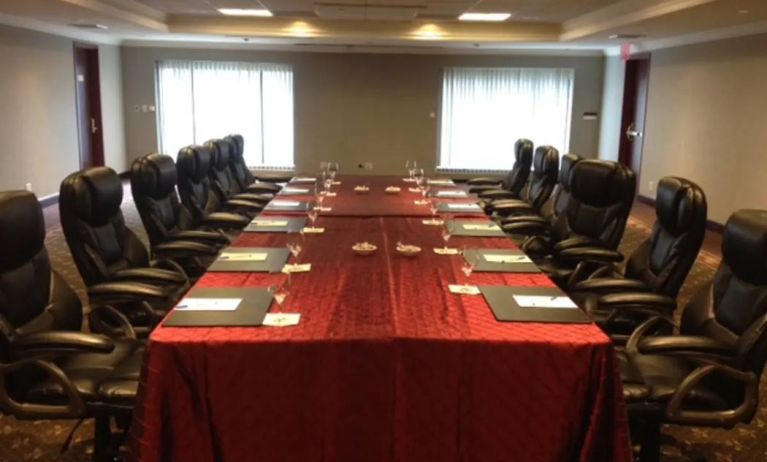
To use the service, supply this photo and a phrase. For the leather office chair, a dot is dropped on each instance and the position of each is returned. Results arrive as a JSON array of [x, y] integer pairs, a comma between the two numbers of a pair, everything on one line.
[[708, 375], [658, 267], [516, 178], [106, 250], [245, 181], [153, 185], [49, 369], [537, 190], [520, 226], [222, 180], [194, 186], [602, 194]]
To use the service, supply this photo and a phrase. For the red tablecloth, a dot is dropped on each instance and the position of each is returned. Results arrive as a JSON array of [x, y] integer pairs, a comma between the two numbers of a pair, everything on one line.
[[386, 365]]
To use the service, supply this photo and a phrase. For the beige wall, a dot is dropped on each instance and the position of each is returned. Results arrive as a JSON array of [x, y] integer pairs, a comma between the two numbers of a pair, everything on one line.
[[38, 121], [707, 121], [359, 107], [612, 107]]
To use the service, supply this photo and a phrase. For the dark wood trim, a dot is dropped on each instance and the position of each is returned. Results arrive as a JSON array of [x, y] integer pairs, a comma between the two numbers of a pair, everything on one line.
[[50, 200], [711, 225]]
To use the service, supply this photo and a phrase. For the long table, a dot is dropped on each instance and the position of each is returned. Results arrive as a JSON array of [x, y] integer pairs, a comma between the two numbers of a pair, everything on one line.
[[385, 365]]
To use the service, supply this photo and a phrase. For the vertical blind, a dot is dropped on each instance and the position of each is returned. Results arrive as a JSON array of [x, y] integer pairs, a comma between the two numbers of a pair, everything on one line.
[[485, 111], [201, 100]]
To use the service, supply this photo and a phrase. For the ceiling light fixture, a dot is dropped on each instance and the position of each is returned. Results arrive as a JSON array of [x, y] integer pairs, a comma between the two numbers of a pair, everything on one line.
[[263, 13], [492, 17]]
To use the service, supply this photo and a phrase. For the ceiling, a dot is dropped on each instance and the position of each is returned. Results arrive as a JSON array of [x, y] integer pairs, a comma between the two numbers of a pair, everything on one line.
[[401, 25]]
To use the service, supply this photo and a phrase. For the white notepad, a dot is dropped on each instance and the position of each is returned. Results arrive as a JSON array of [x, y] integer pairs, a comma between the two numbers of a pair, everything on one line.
[[242, 256], [543, 301], [269, 223], [208, 304], [286, 203], [304, 179], [295, 190], [441, 182], [451, 194], [480, 227], [507, 258], [462, 206]]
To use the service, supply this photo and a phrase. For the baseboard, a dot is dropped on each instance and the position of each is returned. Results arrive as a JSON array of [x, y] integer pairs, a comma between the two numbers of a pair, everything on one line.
[[711, 225], [53, 199]]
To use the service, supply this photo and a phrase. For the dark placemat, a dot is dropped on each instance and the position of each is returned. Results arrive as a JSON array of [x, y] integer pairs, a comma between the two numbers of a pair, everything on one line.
[[275, 260], [505, 308], [297, 190], [451, 207], [495, 267], [275, 206], [458, 228], [294, 225], [250, 312]]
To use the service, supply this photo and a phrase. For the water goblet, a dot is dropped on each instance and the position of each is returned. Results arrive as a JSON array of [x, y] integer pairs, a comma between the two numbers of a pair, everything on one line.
[[312, 214], [468, 265], [418, 175], [280, 291], [447, 231], [333, 170]]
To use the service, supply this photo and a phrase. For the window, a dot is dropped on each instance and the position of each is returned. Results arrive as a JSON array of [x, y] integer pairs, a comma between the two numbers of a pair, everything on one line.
[[486, 110], [201, 100]]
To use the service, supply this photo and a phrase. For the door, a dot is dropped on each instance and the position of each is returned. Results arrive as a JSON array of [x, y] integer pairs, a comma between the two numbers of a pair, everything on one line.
[[634, 109], [88, 94]]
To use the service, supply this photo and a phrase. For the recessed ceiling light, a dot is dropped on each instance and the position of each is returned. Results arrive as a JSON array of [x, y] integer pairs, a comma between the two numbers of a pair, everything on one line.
[[264, 13], [497, 17]]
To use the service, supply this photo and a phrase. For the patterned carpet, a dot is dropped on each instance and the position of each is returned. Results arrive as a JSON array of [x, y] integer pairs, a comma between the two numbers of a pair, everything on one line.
[[42, 440]]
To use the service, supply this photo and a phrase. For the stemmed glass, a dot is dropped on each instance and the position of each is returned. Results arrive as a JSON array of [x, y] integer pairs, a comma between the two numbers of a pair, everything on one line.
[[418, 175], [312, 214], [469, 263], [424, 190], [433, 208], [447, 231], [281, 290], [411, 165], [332, 170], [295, 248]]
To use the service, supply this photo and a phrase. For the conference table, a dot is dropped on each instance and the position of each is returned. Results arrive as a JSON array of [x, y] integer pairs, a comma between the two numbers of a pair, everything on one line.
[[385, 364]]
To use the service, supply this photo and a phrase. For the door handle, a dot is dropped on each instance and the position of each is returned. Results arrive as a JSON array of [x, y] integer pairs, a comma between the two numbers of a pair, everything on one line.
[[94, 128], [632, 133]]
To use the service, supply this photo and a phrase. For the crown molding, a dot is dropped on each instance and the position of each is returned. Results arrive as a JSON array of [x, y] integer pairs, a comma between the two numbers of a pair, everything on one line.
[[701, 37]]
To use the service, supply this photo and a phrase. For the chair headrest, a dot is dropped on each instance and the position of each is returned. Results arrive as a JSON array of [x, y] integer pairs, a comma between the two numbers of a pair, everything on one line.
[[155, 175], [98, 193], [566, 164], [601, 183], [22, 228], [744, 245], [523, 151], [546, 162], [193, 162], [679, 204], [220, 153], [238, 144]]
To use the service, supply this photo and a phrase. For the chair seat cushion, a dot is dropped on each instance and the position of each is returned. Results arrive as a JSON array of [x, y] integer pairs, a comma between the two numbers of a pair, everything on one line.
[[558, 272], [90, 371], [662, 375]]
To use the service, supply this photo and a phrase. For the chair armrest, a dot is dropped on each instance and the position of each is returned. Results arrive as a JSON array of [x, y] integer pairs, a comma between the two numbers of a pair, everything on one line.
[[525, 227], [577, 241], [57, 343], [637, 299], [102, 317], [497, 194], [685, 344], [263, 187], [505, 207], [150, 276], [126, 292], [484, 181], [524, 219], [73, 407], [243, 204], [201, 236], [589, 254], [170, 249], [610, 285], [225, 220], [251, 197]]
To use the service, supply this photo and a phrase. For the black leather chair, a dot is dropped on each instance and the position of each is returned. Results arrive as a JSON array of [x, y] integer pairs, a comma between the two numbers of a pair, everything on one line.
[[657, 268], [602, 194], [106, 250], [511, 186], [49, 369], [708, 375], [537, 190], [245, 181], [222, 180], [195, 188]]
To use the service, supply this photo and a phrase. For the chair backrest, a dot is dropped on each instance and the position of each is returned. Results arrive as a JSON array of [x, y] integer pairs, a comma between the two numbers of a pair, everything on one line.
[[33, 298], [153, 184], [523, 161], [94, 226], [237, 165], [222, 180], [543, 177], [663, 260], [733, 308], [560, 196], [193, 165], [602, 193]]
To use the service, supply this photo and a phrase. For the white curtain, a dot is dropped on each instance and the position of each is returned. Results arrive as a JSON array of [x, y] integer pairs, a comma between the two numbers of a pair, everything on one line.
[[486, 110], [201, 100]]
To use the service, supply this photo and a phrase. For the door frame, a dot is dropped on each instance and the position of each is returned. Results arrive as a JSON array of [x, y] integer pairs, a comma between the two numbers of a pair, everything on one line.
[[93, 102], [625, 156]]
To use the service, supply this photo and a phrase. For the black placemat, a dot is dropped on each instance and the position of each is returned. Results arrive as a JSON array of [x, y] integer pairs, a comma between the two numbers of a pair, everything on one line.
[[505, 308], [459, 230], [250, 312], [493, 267], [294, 225], [301, 207], [298, 189], [442, 207], [275, 260]]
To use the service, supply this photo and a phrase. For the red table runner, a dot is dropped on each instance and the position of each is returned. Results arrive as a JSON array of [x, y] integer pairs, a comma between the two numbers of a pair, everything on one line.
[[385, 365]]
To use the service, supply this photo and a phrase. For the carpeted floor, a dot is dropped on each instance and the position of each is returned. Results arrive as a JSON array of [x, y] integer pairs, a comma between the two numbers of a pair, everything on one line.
[[42, 440]]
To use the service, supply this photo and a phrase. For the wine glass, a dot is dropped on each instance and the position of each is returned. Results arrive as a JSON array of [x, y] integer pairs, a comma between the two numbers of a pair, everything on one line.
[[469, 263], [312, 214], [333, 170], [411, 165], [280, 291], [418, 175], [433, 208], [325, 176], [447, 231], [295, 249], [424, 190]]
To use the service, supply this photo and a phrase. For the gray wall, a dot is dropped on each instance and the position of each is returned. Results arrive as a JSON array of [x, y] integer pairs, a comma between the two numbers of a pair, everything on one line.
[[38, 120], [359, 107], [707, 121], [612, 108]]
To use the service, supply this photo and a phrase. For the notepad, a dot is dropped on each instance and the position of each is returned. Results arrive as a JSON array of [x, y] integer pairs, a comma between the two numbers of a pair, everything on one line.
[[208, 304], [506, 258], [543, 301], [269, 223], [304, 179], [295, 191], [441, 182], [463, 289], [451, 194], [285, 203], [296, 268], [281, 319], [463, 206], [242, 256], [479, 227]]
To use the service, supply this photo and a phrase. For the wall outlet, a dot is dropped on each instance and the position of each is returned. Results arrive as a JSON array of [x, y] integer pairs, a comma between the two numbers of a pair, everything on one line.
[[28, 187], [366, 166], [651, 186]]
